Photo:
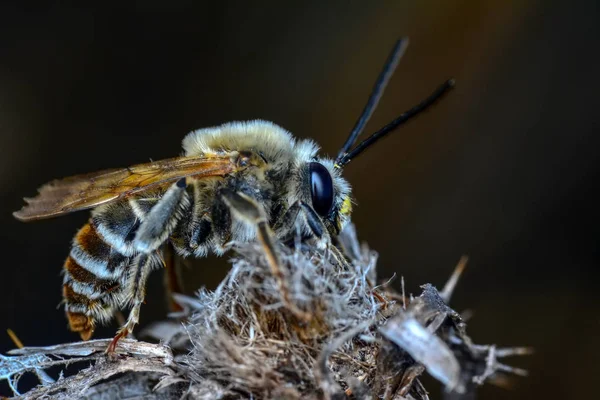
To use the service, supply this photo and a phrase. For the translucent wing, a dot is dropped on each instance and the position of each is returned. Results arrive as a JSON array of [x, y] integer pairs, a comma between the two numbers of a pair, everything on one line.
[[86, 191]]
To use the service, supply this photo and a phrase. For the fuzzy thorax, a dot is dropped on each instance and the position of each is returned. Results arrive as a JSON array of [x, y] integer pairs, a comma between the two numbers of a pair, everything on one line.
[[281, 150], [270, 140]]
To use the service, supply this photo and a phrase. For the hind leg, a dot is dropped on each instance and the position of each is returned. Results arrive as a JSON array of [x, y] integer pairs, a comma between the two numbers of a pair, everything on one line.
[[136, 290], [152, 233]]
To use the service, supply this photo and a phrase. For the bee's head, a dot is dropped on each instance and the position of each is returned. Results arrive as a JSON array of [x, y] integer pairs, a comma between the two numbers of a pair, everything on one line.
[[317, 183]]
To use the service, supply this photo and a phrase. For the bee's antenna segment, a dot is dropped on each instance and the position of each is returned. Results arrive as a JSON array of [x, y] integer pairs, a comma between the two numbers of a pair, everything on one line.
[[404, 117], [376, 93]]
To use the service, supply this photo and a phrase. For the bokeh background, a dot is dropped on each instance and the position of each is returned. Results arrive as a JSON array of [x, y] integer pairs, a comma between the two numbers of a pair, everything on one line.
[[505, 169]]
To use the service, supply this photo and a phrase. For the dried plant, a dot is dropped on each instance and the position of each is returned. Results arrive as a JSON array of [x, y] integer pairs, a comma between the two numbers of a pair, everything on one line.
[[240, 341]]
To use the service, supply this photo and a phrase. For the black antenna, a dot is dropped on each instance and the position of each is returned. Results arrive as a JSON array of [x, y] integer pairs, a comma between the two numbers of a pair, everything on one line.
[[376, 93], [404, 117]]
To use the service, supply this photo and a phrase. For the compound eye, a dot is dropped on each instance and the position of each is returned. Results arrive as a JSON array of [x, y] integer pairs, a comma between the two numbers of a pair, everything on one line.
[[321, 189]]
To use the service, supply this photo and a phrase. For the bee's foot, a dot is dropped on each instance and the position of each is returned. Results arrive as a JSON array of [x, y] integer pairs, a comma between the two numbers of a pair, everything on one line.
[[110, 350]]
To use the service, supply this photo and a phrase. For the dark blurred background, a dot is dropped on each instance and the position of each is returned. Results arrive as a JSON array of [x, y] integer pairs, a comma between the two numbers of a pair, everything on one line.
[[504, 169]]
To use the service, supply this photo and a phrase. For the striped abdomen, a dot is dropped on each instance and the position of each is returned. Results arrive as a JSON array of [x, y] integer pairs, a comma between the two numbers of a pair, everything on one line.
[[91, 281], [96, 273]]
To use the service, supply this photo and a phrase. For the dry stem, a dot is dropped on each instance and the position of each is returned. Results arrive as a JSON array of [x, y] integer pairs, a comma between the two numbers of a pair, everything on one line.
[[241, 341]]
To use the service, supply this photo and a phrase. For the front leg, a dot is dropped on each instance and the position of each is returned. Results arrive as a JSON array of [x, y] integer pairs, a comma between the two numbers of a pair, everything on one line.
[[286, 224], [245, 209]]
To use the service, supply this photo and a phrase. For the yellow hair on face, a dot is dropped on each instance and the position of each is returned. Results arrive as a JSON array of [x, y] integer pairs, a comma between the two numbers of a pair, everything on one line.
[[346, 206]]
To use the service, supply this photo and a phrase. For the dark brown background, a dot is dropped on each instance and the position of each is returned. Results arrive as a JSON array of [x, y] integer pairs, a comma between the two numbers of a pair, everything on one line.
[[503, 170]]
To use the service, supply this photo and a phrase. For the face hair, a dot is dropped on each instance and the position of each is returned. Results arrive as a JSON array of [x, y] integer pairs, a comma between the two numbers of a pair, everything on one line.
[[345, 155]]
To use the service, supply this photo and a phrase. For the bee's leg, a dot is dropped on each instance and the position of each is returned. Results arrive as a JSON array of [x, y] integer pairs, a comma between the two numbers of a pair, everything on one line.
[[285, 227], [157, 225], [173, 283], [244, 208], [138, 275], [162, 219], [221, 225], [286, 224]]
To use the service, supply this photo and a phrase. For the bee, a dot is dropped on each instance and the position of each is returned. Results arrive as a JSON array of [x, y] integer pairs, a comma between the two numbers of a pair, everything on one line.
[[238, 182]]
